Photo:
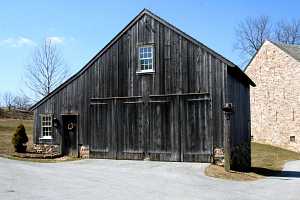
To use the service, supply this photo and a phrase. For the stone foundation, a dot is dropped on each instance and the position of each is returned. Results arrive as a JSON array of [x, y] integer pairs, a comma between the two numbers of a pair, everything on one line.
[[218, 157], [84, 151], [46, 148]]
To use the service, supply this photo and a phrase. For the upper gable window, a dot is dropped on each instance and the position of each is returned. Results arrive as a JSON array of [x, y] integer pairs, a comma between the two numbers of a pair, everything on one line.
[[146, 59]]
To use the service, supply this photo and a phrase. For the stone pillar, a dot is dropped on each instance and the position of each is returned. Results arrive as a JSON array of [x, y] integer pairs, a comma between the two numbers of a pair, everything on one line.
[[218, 157], [84, 151]]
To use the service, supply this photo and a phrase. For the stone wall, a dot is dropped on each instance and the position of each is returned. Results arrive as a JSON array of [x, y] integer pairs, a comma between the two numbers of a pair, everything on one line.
[[275, 101], [46, 148], [84, 151], [218, 157]]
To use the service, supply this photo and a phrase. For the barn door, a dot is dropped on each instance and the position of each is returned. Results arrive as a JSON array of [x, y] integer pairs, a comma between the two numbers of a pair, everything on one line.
[[162, 141], [161, 128], [131, 135], [196, 136], [102, 139], [145, 130]]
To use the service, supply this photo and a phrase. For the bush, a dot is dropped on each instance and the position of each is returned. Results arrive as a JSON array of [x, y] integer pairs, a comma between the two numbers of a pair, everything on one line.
[[20, 139]]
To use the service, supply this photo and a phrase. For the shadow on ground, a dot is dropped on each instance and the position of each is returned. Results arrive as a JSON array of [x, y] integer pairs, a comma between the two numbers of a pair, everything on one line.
[[275, 173]]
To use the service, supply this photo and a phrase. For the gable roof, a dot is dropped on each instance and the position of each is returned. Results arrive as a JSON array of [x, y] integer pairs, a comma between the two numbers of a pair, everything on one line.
[[234, 67], [291, 49]]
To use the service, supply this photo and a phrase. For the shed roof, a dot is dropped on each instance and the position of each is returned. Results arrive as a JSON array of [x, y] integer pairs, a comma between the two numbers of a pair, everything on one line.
[[238, 72]]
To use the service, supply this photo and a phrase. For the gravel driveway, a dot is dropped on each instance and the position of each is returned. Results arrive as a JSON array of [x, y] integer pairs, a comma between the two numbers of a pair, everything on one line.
[[122, 179]]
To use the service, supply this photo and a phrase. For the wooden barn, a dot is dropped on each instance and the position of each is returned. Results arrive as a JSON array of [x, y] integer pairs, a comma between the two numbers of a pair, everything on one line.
[[153, 92]]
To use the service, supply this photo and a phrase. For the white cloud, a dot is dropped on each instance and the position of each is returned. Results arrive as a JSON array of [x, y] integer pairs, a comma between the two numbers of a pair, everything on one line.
[[17, 42], [55, 39]]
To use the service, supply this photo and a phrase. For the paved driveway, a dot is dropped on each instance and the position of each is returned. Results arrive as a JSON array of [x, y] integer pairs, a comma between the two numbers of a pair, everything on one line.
[[115, 179]]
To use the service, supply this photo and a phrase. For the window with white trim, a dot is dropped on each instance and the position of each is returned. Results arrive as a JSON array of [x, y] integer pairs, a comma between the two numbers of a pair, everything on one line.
[[46, 126], [146, 59]]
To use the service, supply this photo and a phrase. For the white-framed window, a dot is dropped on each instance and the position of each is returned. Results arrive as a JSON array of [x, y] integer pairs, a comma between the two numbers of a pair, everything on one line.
[[146, 58], [46, 126]]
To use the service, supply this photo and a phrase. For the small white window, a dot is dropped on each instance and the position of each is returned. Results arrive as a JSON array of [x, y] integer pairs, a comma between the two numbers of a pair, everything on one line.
[[146, 59], [46, 126]]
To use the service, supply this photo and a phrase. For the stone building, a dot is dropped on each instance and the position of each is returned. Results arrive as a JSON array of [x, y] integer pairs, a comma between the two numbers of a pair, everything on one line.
[[275, 101]]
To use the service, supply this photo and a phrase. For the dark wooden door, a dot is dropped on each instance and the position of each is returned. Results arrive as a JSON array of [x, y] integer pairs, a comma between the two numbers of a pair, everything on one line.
[[161, 134], [130, 132], [196, 135], [70, 146], [102, 122]]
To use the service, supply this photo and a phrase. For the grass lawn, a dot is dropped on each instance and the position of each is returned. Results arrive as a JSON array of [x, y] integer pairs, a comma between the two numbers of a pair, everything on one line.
[[266, 160], [7, 129]]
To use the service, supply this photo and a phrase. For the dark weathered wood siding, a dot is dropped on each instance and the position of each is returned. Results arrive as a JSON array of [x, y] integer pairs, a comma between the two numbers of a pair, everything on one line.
[[239, 96], [240, 134], [172, 114]]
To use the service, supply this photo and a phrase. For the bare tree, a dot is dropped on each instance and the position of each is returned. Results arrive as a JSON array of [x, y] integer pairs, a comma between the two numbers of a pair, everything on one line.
[[288, 32], [251, 33], [21, 102], [46, 70], [8, 99]]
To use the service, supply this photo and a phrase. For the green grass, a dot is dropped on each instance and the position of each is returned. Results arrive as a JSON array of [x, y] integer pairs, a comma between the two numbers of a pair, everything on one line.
[[7, 129], [266, 160]]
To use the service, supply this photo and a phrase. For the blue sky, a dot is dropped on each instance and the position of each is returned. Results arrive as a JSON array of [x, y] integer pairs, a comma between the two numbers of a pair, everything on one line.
[[81, 28]]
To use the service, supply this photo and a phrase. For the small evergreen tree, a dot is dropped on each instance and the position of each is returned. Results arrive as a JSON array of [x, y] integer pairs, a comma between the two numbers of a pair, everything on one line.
[[20, 139]]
